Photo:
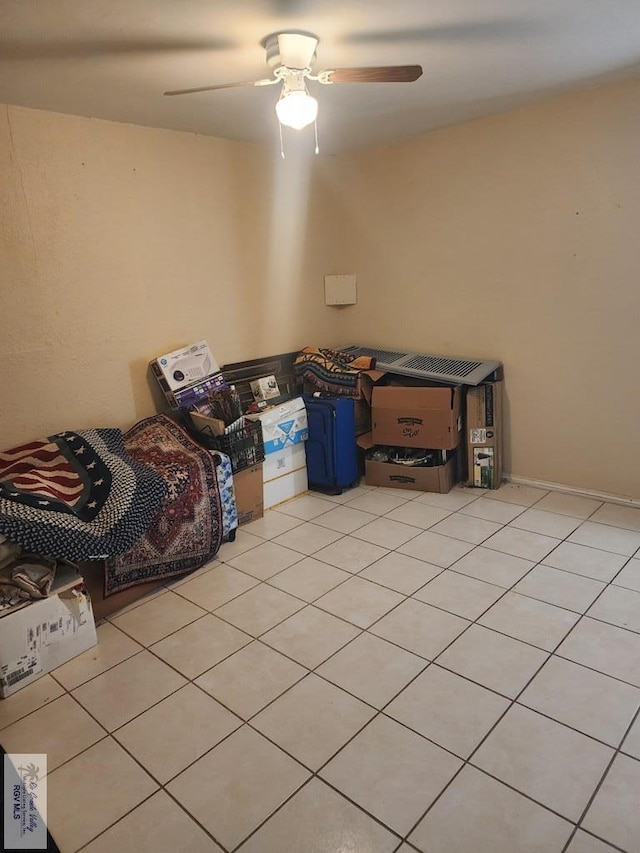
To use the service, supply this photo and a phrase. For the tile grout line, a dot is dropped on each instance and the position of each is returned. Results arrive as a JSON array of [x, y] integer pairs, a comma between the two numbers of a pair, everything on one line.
[[428, 661], [255, 638], [379, 711], [502, 716], [122, 817], [512, 701], [315, 773], [278, 746], [111, 736], [616, 753], [405, 597], [210, 612]]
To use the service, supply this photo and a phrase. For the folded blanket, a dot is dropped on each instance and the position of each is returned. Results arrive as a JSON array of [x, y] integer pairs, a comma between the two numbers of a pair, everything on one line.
[[331, 370], [76, 495], [26, 578]]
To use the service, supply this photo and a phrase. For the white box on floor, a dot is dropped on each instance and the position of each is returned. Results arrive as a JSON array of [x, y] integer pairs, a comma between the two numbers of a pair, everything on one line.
[[284, 488], [284, 462], [45, 634], [284, 475]]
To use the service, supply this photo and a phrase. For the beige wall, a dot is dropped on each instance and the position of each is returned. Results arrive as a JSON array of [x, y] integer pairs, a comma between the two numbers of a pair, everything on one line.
[[119, 243], [515, 237], [512, 237]]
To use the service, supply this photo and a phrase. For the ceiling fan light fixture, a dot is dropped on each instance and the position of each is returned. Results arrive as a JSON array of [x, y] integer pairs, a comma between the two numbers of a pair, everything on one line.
[[296, 109]]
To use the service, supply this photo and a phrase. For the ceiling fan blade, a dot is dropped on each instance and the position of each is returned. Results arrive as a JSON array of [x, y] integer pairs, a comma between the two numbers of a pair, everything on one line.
[[289, 7], [471, 30], [212, 88], [89, 49], [390, 74]]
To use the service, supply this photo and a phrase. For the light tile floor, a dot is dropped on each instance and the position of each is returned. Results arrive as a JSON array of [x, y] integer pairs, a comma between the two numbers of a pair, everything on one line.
[[376, 671]]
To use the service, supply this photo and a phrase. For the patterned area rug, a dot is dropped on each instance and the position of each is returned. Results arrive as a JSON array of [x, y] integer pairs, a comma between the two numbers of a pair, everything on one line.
[[186, 532], [76, 495]]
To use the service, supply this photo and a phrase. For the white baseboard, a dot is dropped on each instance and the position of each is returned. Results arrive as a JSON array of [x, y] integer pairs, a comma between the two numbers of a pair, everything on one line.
[[572, 490]]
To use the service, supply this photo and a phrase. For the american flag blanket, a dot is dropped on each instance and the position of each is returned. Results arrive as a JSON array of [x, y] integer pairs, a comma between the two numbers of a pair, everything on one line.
[[77, 495]]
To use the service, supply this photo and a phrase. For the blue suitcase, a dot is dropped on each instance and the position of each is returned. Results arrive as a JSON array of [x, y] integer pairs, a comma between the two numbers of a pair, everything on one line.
[[332, 463]]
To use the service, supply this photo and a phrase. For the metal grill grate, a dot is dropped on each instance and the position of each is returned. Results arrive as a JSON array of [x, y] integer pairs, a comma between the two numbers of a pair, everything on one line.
[[453, 371], [433, 364], [388, 356]]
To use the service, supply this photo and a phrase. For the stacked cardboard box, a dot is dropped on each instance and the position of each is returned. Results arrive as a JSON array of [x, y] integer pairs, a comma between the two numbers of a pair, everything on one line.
[[247, 485], [414, 417]]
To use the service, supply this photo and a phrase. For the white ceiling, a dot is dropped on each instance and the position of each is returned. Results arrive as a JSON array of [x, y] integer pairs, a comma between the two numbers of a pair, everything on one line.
[[114, 58]]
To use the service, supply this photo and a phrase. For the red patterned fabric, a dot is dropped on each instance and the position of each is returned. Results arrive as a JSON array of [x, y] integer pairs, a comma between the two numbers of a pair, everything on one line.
[[187, 529]]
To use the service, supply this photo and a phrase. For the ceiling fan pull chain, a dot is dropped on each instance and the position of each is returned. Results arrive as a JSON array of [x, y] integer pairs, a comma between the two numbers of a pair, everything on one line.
[[315, 124], [281, 142]]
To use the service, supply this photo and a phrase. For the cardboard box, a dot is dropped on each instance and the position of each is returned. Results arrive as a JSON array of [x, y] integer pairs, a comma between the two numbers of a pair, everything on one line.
[[484, 435], [367, 381], [206, 425], [185, 366], [46, 633], [247, 486], [416, 416], [362, 413], [283, 425], [440, 478]]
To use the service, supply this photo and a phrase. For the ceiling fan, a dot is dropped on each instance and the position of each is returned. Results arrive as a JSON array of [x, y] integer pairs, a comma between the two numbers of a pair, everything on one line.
[[291, 56]]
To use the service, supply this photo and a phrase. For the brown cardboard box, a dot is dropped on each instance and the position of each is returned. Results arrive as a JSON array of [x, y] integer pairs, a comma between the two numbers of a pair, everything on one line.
[[439, 478], [247, 485], [367, 381], [416, 416], [362, 413], [206, 425], [484, 435]]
